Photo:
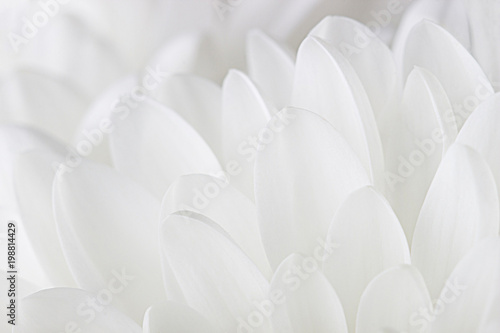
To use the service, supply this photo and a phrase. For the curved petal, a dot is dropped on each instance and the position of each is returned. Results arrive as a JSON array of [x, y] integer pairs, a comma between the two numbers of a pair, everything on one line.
[[33, 98], [428, 129], [369, 56], [215, 277], [108, 226], [433, 48], [198, 101], [470, 292], [485, 32], [449, 14], [97, 123], [175, 317], [244, 115], [302, 294], [481, 133], [460, 208], [392, 300], [153, 145], [270, 67], [223, 204], [369, 240], [326, 84], [301, 178], [33, 177], [67, 309]]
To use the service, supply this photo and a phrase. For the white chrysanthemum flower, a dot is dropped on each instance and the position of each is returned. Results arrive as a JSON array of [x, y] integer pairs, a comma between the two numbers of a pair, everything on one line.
[[341, 187]]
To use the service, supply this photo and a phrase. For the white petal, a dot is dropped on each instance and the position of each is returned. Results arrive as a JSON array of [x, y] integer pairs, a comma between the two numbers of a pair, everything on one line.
[[391, 301], [36, 99], [270, 67], [223, 204], [215, 277], [460, 208], [433, 48], [66, 310], [244, 115], [326, 84], [108, 226], [369, 239], [153, 145], [485, 33], [97, 122], [481, 133], [308, 169], [175, 317], [427, 130], [198, 101], [301, 293], [470, 291], [449, 14], [369, 56], [33, 178]]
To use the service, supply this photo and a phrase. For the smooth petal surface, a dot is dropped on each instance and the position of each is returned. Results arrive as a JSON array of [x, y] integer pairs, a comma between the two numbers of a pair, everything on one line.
[[428, 128], [198, 101], [369, 56], [97, 122], [67, 309], [392, 300], [175, 317], [33, 178], [460, 209], [305, 297], [270, 67], [301, 178], [433, 48], [108, 226], [223, 204], [471, 291], [369, 240], [216, 278], [485, 33], [244, 116], [481, 133], [325, 83], [46, 102], [146, 146]]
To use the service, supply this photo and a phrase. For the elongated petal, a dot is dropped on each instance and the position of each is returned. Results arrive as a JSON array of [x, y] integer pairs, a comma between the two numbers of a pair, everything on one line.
[[326, 84], [270, 67], [108, 226], [309, 170], [480, 132], [67, 309], [391, 301], [369, 240], [428, 129], [470, 292], [223, 204], [97, 123], [214, 275], [37, 99], [244, 115], [460, 208], [198, 101], [33, 177], [300, 292], [369, 56], [433, 48], [153, 145], [451, 15], [175, 317], [485, 32]]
